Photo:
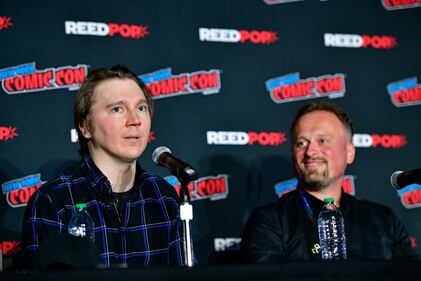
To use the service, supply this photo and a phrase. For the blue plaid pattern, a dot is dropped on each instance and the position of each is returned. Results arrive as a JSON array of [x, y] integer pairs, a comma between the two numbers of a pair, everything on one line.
[[146, 234]]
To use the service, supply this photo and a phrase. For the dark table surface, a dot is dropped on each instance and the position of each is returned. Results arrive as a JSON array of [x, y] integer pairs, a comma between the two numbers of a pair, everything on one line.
[[335, 270]]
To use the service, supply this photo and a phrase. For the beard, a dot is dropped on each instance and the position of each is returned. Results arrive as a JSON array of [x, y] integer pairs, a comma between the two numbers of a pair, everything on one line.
[[315, 179]]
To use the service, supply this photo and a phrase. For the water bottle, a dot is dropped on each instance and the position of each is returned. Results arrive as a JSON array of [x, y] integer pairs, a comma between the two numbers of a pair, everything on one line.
[[331, 232], [81, 223]]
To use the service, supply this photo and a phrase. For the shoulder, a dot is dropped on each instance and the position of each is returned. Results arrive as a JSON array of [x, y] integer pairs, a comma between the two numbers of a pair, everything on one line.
[[158, 185], [370, 209], [58, 189], [275, 209], [284, 202]]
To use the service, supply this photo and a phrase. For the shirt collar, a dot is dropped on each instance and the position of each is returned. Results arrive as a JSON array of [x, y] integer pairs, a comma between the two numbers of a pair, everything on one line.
[[99, 181]]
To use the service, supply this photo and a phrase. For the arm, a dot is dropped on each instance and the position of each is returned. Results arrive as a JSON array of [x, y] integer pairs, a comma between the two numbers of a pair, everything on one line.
[[401, 248], [262, 239], [175, 245], [40, 222]]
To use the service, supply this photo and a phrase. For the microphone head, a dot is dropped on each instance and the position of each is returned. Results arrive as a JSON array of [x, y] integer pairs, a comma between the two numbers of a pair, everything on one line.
[[394, 179], [157, 153]]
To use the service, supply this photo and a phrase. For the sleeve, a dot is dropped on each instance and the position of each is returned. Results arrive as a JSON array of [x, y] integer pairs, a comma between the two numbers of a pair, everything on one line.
[[40, 222], [402, 245], [174, 240], [261, 240], [175, 245]]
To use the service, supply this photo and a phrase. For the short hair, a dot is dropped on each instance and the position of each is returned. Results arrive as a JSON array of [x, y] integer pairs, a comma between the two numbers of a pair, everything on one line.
[[339, 112], [85, 97]]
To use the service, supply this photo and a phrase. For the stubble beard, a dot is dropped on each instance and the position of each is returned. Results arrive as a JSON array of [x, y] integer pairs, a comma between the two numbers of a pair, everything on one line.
[[314, 179]]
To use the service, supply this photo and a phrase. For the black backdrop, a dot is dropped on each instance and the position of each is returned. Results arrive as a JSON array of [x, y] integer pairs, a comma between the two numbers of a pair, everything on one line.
[[209, 63]]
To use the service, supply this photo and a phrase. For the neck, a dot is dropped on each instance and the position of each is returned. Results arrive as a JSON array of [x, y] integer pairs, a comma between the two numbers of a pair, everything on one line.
[[327, 192], [120, 174]]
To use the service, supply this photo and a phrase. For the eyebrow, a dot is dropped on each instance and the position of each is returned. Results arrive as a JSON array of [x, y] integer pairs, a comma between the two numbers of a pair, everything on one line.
[[123, 102]]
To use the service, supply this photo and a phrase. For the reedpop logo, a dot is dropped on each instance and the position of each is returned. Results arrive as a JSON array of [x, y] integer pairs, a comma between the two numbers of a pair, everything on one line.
[[5, 22], [388, 141], [359, 41], [105, 29], [8, 133], [237, 36], [245, 138]]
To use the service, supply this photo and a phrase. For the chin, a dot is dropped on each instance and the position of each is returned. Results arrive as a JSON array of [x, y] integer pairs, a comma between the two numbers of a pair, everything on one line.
[[130, 157]]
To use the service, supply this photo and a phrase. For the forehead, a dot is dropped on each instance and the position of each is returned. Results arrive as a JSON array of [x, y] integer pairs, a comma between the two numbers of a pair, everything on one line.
[[319, 122], [116, 89]]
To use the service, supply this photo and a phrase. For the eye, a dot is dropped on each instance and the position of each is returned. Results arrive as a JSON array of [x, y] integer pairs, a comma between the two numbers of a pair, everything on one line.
[[116, 109], [323, 141], [300, 143], [143, 108]]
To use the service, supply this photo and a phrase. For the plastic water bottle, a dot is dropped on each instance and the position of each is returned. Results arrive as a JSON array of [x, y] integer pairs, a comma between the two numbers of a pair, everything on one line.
[[81, 223], [331, 232]]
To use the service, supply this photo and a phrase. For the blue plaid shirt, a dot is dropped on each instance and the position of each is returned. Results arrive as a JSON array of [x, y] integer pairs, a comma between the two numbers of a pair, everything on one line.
[[145, 234]]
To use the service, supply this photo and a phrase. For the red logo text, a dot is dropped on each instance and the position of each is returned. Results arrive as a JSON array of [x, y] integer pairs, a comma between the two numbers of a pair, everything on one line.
[[237, 36], [104, 29], [377, 140], [7, 133]]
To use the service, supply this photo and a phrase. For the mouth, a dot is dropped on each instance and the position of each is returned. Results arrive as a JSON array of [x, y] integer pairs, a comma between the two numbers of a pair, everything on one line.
[[132, 138], [314, 163]]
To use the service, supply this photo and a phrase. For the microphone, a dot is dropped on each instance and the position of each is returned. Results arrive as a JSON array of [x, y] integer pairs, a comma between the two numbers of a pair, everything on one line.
[[184, 172], [401, 179]]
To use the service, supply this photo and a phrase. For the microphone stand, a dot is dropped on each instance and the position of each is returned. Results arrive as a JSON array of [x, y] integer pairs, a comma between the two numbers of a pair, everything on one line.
[[186, 215]]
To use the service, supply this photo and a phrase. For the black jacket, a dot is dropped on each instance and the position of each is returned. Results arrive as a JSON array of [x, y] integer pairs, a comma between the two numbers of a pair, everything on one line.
[[282, 231]]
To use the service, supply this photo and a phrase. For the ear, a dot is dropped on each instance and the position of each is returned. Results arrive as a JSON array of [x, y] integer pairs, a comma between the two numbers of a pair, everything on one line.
[[84, 129], [350, 153]]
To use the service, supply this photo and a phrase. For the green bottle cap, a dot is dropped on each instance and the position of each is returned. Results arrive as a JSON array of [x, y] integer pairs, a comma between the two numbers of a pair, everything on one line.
[[329, 200], [81, 206]]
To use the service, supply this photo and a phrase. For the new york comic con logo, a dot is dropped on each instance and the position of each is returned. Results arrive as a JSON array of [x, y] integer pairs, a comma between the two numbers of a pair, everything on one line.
[[5, 22], [405, 92], [290, 87], [18, 191], [26, 78], [237, 36], [211, 187], [283, 187], [134, 31], [411, 196], [392, 5], [163, 84]]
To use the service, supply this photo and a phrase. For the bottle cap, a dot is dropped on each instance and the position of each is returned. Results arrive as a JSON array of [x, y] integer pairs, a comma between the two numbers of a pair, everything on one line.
[[81, 206], [329, 200]]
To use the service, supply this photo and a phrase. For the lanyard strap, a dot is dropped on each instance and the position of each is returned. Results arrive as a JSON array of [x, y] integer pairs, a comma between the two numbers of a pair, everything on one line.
[[306, 204]]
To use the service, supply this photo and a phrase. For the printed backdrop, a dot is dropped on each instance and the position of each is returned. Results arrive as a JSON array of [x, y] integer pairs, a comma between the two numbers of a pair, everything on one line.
[[227, 78]]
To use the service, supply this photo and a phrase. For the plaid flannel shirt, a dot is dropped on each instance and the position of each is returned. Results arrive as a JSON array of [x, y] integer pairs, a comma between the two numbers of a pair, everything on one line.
[[145, 235]]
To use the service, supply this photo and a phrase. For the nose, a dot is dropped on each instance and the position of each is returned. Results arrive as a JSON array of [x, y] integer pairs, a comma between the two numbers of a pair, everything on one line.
[[312, 149], [133, 118]]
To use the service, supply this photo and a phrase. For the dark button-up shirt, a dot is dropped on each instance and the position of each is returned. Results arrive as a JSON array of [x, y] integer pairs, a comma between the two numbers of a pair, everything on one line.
[[283, 231], [144, 234]]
